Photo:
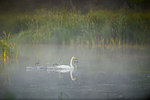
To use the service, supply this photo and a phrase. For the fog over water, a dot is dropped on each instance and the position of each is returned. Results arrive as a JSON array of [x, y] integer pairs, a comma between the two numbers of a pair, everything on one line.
[[100, 73], [74, 49]]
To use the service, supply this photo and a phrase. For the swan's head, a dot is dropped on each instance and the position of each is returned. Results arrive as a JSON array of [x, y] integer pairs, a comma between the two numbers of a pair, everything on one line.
[[74, 58]]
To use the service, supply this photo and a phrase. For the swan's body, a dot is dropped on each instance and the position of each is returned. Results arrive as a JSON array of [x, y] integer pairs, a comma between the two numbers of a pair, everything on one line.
[[67, 67]]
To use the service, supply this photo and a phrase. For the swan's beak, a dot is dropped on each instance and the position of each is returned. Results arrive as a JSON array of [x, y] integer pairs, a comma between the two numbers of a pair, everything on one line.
[[74, 58]]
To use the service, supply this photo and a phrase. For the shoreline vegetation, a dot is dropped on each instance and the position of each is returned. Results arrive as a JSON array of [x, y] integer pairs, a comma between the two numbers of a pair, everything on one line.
[[100, 28], [6, 47], [68, 27]]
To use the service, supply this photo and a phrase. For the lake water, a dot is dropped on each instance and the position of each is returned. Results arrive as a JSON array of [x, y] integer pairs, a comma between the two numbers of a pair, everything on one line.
[[100, 73]]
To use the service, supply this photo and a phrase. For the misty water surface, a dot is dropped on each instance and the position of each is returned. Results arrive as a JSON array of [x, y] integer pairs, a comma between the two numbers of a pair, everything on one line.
[[101, 73]]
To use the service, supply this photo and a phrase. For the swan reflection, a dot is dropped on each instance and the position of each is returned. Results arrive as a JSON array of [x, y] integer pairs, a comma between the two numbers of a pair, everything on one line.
[[57, 68]]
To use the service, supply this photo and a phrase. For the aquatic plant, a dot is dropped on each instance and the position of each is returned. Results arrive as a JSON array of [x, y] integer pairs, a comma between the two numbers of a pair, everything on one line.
[[94, 28], [5, 47]]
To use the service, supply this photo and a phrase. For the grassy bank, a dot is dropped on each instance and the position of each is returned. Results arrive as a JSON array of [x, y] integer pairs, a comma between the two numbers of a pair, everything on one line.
[[100, 27]]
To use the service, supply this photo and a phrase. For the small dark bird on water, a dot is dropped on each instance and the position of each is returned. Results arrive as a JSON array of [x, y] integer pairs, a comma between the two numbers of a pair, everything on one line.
[[37, 63]]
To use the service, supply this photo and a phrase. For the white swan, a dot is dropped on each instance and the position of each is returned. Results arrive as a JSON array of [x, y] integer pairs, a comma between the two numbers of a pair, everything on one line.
[[67, 67]]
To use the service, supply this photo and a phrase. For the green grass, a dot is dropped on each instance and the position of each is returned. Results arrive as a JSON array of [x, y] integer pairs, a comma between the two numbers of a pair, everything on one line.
[[102, 27], [4, 43], [6, 47]]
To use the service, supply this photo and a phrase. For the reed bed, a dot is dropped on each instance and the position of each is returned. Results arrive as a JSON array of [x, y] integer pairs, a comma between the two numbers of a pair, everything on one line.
[[95, 28]]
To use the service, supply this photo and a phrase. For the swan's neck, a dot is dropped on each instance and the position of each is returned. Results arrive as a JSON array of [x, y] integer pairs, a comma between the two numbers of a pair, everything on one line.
[[71, 63]]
